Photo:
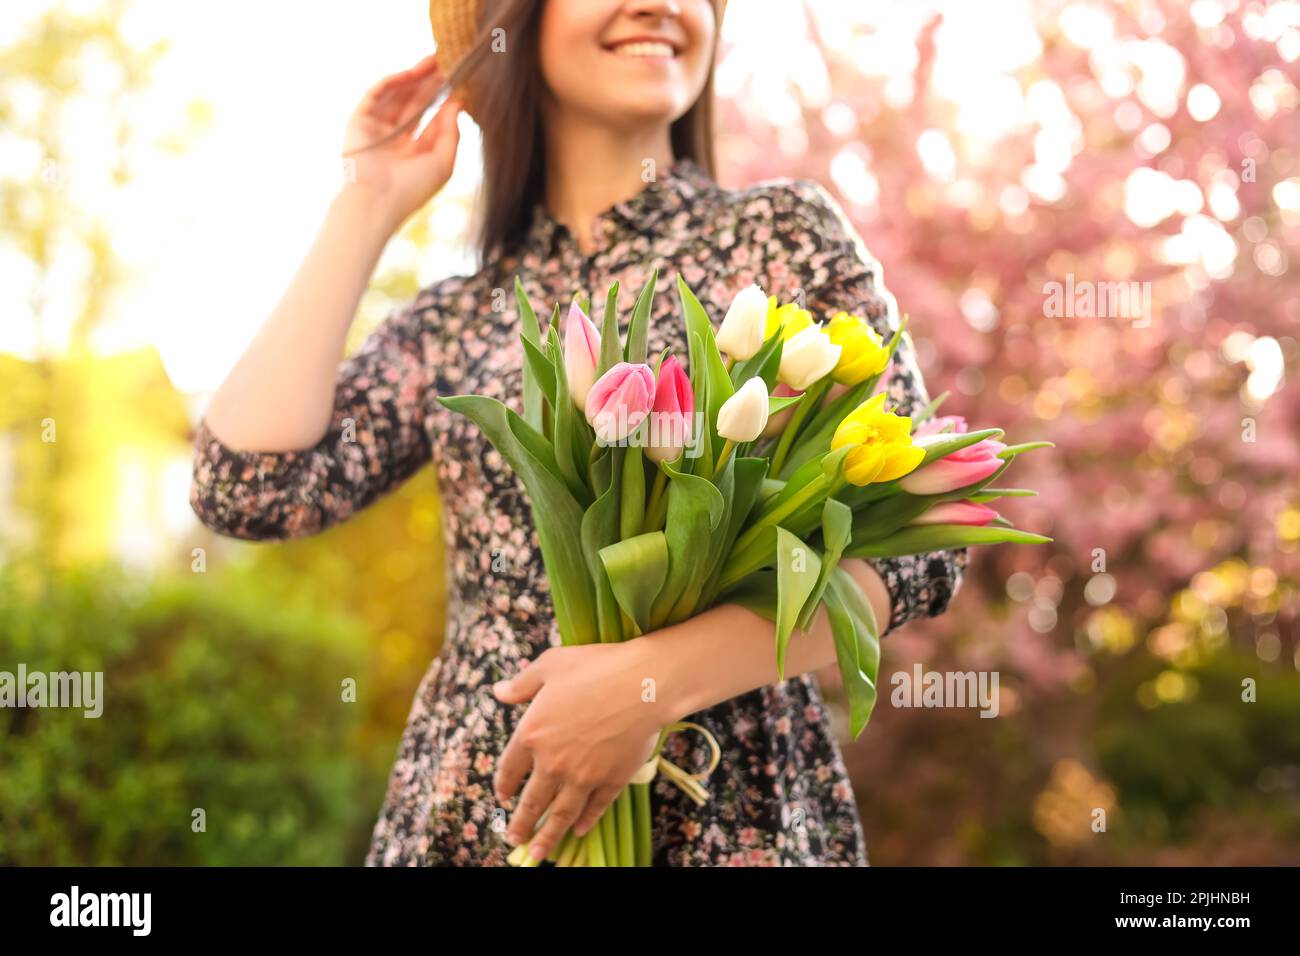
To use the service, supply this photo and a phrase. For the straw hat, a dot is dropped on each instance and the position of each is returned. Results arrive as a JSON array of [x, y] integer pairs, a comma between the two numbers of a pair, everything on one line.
[[455, 24]]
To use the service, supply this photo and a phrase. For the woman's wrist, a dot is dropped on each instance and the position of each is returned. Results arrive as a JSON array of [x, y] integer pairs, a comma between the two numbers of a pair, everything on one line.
[[367, 211]]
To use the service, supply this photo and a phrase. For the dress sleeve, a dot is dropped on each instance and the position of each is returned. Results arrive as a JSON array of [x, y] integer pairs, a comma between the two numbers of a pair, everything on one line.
[[379, 435], [828, 261]]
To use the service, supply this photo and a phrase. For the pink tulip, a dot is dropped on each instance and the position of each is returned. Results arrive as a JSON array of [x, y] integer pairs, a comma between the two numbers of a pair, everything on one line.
[[776, 424], [671, 414], [952, 424], [958, 512], [619, 402], [581, 354], [966, 466]]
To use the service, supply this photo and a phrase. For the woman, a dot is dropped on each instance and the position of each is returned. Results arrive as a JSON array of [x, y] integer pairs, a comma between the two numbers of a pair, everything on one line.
[[598, 160]]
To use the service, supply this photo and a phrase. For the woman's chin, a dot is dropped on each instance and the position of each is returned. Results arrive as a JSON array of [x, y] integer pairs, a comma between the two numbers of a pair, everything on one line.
[[644, 105]]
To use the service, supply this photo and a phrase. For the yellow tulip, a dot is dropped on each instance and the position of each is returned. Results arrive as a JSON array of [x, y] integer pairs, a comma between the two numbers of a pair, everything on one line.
[[881, 441], [795, 319], [863, 353]]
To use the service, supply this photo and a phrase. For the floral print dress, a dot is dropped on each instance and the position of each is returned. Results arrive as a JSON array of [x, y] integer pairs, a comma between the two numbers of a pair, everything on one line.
[[780, 796]]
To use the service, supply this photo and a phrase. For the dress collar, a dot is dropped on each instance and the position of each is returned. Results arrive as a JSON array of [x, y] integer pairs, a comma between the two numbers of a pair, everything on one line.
[[673, 189]]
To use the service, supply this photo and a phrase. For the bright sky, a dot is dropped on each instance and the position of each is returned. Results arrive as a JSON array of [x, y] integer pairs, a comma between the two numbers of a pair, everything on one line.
[[215, 233]]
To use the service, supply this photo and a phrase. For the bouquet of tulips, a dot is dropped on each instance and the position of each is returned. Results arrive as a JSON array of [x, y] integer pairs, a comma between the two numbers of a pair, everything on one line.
[[658, 493]]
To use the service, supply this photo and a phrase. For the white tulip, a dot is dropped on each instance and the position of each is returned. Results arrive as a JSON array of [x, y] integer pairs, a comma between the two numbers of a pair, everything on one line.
[[743, 417], [741, 334], [807, 357]]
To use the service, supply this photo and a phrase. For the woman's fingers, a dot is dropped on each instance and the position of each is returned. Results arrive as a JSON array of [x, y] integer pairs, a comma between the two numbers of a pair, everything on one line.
[[537, 796], [512, 767], [597, 804], [387, 100], [441, 136], [563, 814]]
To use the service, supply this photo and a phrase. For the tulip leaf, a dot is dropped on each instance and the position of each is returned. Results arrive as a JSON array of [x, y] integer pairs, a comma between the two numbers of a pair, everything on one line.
[[942, 448], [632, 513], [882, 518], [600, 529], [857, 646], [639, 325], [775, 404], [556, 512], [746, 480], [706, 362], [925, 414], [694, 510], [837, 530], [703, 440], [1012, 450], [611, 352], [939, 537], [637, 568], [992, 494], [538, 370], [764, 363], [691, 598], [571, 460], [531, 334], [758, 593], [797, 569]]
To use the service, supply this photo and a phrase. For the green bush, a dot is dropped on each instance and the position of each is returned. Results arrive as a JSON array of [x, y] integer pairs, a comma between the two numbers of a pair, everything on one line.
[[216, 697]]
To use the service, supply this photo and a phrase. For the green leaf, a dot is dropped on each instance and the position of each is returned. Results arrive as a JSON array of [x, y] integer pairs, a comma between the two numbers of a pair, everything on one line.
[[538, 369], [611, 352], [925, 414], [639, 325], [632, 499], [1012, 450], [747, 480], [637, 568], [600, 529], [531, 334], [882, 518], [775, 404], [797, 569], [556, 512], [992, 494], [942, 448], [764, 363], [837, 531], [758, 593], [694, 510], [940, 537], [857, 646], [569, 454], [706, 361], [702, 463]]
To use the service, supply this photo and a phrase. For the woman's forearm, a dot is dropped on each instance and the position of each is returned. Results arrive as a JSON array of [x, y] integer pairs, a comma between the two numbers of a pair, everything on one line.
[[280, 394], [729, 650]]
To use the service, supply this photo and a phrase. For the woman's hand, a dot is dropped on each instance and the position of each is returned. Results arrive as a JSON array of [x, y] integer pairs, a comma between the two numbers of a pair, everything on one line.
[[591, 724], [405, 172]]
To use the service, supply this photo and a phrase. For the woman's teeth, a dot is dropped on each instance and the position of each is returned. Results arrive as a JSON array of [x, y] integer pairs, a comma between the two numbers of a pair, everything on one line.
[[643, 49]]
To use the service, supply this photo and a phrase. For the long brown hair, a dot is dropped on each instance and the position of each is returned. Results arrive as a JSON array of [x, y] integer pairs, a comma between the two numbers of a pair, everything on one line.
[[506, 92]]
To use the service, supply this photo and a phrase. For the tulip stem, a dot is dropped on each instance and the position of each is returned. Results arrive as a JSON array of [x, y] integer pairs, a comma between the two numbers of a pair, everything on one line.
[[731, 360], [811, 398], [728, 447], [788, 507], [653, 519]]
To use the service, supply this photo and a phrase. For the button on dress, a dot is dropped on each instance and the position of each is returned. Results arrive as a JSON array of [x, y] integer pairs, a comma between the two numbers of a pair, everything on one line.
[[780, 796]]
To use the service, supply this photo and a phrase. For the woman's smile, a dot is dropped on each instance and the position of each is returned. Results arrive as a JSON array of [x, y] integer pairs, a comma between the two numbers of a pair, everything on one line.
[[640, 48]]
